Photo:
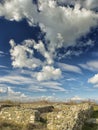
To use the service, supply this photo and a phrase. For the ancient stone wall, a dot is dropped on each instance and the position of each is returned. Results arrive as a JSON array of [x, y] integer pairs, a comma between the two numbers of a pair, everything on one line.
[[59, 116], [20, 115], [69, 117], [23, 115]]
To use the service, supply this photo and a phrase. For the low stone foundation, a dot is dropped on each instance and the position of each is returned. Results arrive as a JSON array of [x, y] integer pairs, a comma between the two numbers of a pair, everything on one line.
[[70, 118], [20, 115], [59, 116]]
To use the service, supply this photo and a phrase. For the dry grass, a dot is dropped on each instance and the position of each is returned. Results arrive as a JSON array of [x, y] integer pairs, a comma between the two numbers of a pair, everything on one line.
[[94, 115], [6, 125]]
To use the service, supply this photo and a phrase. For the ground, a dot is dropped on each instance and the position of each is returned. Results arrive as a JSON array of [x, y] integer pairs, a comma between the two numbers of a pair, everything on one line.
[[92, 126], [41, 125]]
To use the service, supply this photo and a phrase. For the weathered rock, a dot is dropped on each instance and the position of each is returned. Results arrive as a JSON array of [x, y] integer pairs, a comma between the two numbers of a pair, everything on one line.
[[70, 118], [45, 109], [20, 115]]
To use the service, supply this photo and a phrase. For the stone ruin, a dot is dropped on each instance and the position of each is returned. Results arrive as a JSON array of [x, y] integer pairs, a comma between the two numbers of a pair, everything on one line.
[[20, 115], [71, 117], [59, 116]]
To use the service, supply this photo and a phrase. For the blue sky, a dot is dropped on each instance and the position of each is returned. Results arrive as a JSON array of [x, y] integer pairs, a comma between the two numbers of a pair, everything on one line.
[[48, 49]]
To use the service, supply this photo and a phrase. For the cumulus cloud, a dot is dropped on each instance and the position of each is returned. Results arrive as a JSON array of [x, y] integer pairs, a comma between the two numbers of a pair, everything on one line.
[[77, 98], [41, 48], [70, 68], [48, 98], [7, 92], [62, 25], [22, 55], [48, 73], [17, 10], [94, 79], [91, 65], [12, 93]]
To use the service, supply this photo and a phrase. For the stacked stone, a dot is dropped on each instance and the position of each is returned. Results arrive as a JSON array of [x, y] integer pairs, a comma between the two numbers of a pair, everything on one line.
[[20, 115], [70, 118]]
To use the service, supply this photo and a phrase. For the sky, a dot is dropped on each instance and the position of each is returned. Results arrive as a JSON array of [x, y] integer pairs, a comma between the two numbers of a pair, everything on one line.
[[48, 50]]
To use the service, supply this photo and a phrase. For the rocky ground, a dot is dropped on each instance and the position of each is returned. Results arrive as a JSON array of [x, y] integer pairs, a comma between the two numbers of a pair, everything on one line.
[[46, 111]]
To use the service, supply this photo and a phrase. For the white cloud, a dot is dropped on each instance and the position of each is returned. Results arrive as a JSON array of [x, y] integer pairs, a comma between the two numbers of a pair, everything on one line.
[[12, 43], [54, 86], [71, 79], [15, 79], [2, 66], [91, 65], [41, 48], [2, 89], [48, 73], [17, 10], [48, 98], [94, 79], [2, 53], [13, 94], [70, 68], [76, 98], [65, 21], [37, 88], [30, 84], [45, 86], [22, 55], [7, 92], [62, 24]]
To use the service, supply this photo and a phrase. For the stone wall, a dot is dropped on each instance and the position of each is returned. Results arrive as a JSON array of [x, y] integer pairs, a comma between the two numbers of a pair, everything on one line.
[[69, 117], [23, 115], [19, 115], [59, 116]]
